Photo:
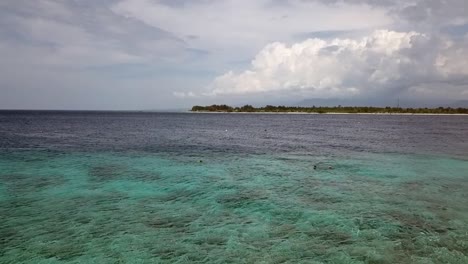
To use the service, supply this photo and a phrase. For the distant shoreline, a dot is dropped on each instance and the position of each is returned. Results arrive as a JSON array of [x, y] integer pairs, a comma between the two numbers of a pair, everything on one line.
[[335, 110], [327, 113]]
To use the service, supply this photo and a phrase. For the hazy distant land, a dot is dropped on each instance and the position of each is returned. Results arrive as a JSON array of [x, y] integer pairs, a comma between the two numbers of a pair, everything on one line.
[[329, 110]]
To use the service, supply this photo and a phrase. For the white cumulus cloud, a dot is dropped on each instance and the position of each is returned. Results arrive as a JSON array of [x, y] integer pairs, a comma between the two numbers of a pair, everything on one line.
[[385, 62]]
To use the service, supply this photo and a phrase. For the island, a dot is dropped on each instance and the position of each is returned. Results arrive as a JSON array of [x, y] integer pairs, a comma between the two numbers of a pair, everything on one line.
[[328, 109]]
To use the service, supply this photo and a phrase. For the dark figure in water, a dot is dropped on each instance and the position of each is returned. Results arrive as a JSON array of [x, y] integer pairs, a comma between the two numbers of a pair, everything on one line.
[[329, 167]]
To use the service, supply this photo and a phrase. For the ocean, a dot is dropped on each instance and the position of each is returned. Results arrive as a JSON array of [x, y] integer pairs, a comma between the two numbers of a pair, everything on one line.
[[136, 187]]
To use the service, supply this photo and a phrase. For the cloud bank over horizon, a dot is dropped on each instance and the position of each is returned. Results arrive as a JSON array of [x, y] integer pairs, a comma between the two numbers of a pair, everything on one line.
[[381, 64], [159, 54]]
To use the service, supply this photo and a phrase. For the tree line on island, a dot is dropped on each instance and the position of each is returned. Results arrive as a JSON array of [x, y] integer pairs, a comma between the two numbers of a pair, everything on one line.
[[327, 109]]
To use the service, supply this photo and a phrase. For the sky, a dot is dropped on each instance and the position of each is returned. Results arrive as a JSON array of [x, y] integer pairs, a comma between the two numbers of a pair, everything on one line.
[[172, 54]]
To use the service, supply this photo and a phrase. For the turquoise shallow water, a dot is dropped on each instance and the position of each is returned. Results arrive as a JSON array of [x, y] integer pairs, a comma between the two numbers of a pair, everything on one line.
[[110, 187], [141, 207]]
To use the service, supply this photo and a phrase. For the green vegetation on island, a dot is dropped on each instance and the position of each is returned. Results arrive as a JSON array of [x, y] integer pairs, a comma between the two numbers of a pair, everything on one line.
[[327, 109]]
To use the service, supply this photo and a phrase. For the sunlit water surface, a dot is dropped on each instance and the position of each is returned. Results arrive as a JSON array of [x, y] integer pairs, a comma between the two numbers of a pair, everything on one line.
[[231, 188]]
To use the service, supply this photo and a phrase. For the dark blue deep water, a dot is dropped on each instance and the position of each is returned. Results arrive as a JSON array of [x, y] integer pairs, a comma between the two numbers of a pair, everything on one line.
[[131, 187]]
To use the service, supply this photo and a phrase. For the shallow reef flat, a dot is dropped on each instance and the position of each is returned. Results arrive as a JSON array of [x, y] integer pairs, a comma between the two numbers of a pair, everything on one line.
[[111, 207]]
